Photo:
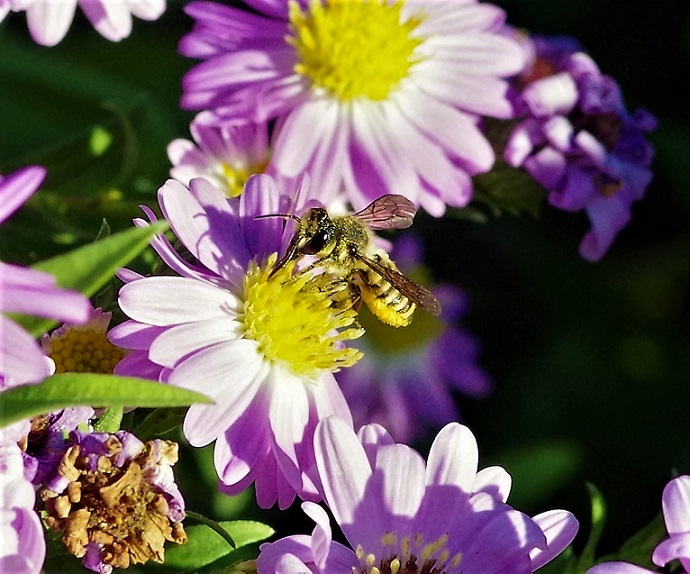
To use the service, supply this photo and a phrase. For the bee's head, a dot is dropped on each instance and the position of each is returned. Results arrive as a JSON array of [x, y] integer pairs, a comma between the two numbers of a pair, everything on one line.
[[315, 236]]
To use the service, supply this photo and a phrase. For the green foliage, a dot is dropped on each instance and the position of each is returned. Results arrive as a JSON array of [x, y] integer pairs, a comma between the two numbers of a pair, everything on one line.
[[206, 549], [88, 268], [74, 389]]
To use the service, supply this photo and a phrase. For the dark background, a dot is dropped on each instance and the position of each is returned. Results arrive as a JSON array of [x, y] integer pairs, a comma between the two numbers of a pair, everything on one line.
[[590, 361]]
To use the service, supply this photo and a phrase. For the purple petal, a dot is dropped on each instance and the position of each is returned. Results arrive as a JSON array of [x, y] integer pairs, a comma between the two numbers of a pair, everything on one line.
[[156, 301], [17, 187], [618, 568], [453, 458], [49, 21], [560, 528], [676, 505]]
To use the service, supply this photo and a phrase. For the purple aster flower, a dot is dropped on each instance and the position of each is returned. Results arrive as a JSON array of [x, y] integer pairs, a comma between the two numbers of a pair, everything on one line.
[[676, 509], [578, 141], [225, 154], [29, 292], [369, 97], [23, 547], [402, 515], [49, 20], [114, 499], [263, 344], [405, 377]]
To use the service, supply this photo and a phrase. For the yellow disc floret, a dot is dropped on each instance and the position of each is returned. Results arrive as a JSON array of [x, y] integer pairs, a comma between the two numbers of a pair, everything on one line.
[[235, 176], [299, 320], [84, 350], [353, 48]]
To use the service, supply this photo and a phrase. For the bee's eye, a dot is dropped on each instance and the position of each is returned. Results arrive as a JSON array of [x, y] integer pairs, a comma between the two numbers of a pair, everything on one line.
[[316, 243]]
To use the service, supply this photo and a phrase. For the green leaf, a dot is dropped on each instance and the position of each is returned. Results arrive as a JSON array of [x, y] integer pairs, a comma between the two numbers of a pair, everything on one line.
[[205, 547], [109, 421], [160, 422], [507, 189], [598, 522], [90, 267], [638, 549], [74, 389]]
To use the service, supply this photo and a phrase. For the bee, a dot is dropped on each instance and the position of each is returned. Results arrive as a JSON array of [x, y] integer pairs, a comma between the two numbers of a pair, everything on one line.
[[344, 246]]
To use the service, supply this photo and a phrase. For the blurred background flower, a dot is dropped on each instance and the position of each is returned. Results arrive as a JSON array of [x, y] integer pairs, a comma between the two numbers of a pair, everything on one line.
[[407, 378]]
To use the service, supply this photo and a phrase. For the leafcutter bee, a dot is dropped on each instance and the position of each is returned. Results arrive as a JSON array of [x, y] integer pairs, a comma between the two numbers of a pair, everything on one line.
[[344, 246]]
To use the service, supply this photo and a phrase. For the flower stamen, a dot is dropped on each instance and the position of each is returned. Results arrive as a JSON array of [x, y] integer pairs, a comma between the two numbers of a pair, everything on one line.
[[354, 48]]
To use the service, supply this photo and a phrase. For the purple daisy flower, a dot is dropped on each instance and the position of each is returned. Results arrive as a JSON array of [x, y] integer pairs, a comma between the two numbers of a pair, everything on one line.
[[49, 20], [114, 499], [578, 141], [405, 378], [262, 343], [23, 546], [400, 515], [370, 97], [29, 292], [225, 154], [676, 509]]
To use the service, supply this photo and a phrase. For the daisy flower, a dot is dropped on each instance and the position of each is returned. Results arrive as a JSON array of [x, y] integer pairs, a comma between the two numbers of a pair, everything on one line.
[[262, 344], [49, 20], [370, 97], [405, 379], [578, 141], [29, 292], [676, 509], [400, 515], [226, 154]]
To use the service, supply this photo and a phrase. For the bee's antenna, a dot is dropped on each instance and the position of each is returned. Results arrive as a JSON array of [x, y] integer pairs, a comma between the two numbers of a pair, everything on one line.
[[283, 215]]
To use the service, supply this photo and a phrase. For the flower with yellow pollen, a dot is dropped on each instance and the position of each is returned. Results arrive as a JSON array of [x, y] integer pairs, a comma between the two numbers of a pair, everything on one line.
[[401, 515], [262, 344], [84, 348], [225, 154], [369, 96]]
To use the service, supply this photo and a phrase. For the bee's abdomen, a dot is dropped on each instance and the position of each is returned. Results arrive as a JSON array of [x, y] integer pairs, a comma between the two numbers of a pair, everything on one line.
[[383, 299]]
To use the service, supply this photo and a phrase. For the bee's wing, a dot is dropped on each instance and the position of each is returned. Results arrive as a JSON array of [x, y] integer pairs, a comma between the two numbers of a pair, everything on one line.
[[416, 293], [388, 212]]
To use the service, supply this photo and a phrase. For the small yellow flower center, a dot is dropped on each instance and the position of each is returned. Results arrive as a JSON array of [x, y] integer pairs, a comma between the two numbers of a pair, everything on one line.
[[408, 556], [299, 320], [84, 351], [354, 48], [233, 177]]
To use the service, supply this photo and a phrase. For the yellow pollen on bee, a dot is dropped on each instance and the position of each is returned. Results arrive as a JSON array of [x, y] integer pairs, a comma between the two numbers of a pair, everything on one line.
[[354, 48], [297, 320], [79, 350]]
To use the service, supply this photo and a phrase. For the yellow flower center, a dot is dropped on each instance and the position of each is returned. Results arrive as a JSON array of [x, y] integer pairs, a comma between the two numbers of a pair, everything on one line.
[[235, 176], [408, 555], [353, 48], [84, 351], [299, 320]]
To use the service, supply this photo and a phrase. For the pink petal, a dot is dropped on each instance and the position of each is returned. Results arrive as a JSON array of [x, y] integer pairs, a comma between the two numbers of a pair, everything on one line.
[[157, 301], [17, 187], [175, 343], [453, 458], [676, 505], [560, 528], [49, 21]]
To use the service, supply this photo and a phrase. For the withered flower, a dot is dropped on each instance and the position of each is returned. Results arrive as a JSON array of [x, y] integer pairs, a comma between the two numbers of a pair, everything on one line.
[[115, 500]]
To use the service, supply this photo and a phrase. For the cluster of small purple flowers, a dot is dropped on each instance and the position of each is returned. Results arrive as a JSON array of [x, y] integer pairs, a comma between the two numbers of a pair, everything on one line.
[[304, 104]]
